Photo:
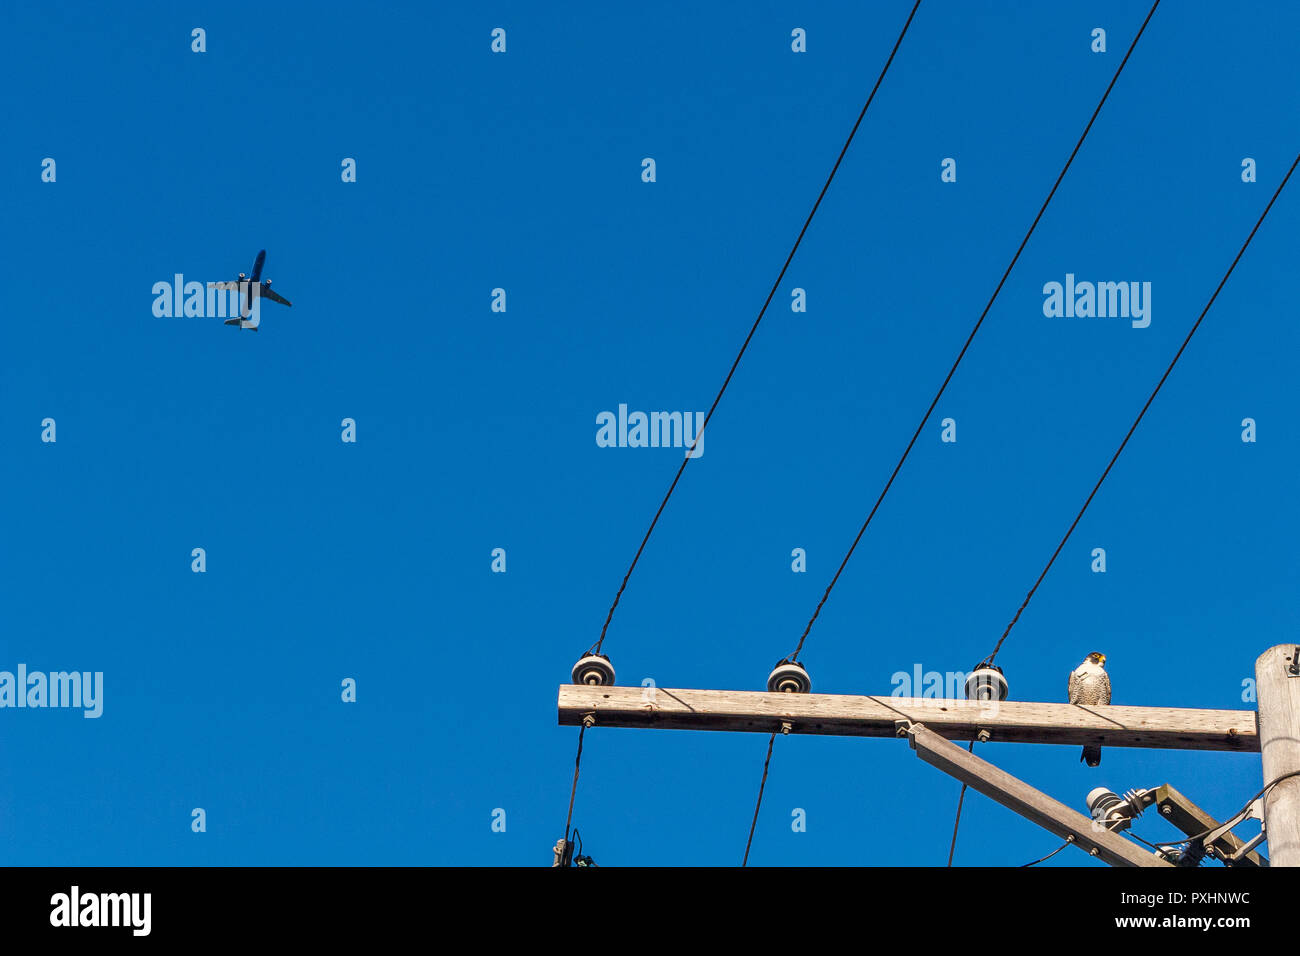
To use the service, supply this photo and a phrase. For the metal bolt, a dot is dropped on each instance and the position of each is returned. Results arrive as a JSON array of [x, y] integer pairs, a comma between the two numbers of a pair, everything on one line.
[[983, 736], [1167, 811], [786, 727], [588, 720]]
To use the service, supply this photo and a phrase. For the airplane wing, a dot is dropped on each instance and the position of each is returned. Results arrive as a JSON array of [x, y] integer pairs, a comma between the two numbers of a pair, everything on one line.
[[224, 285], [266, 293], [257, 266]]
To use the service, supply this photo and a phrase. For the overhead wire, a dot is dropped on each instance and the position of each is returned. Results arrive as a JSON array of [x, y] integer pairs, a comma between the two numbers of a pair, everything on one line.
[[961, 799], [758, 805], [1115, 457], [573, 792], [1044, 859], [971, 337], [762, 784], [953, 370], [1137, 421], [595, 648], [1194, 838]]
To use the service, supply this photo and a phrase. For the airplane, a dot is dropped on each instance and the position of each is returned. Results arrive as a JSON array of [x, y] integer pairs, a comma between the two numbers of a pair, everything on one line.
[[246, 284]]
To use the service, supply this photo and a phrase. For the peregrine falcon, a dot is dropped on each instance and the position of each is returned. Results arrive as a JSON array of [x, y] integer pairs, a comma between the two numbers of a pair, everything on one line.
[[1090, 685]]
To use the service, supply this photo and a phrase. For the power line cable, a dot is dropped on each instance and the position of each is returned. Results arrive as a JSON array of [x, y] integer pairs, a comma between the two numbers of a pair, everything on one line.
[[595, 648], [573, 793], [943, 387], [970, 338], [1114, 458], [1044, 859], [762, 785], [1154, 846], [1156, 391], [961, 799], [1267, 787], [952, 371]]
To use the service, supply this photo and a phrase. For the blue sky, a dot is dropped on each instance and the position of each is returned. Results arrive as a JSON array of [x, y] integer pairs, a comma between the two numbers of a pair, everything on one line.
[[476, 429]]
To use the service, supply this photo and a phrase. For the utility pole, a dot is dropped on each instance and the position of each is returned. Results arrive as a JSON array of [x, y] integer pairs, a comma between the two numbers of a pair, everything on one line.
[[850, 715], [1277, 688], [931, 724], [1031, 804]]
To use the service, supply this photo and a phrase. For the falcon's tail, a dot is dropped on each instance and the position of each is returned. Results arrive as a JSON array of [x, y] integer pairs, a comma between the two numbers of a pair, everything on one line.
[[1091, 756]]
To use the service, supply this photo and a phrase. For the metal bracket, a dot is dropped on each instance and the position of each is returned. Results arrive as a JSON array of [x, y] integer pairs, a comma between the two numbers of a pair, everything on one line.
[[1255, 810], [1294, 669], [1248, 847]]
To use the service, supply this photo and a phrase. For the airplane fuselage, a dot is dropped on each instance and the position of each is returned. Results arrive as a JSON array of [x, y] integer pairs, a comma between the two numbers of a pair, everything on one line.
[[253, 288]]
